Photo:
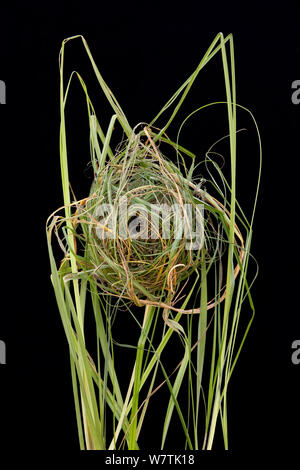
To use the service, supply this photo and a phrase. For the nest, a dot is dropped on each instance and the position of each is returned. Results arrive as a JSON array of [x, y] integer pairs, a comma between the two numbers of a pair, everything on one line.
[[143, 224]]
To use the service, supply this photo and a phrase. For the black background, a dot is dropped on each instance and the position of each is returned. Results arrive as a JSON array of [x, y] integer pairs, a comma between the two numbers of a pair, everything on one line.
[[145, 50]]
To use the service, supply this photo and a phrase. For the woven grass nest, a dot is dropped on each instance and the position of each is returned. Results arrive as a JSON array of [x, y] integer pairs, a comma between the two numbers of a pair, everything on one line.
[[144, 226]]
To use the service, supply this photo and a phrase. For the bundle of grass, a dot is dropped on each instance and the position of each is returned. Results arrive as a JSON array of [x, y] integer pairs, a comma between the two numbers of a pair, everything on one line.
[[146, 229]]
